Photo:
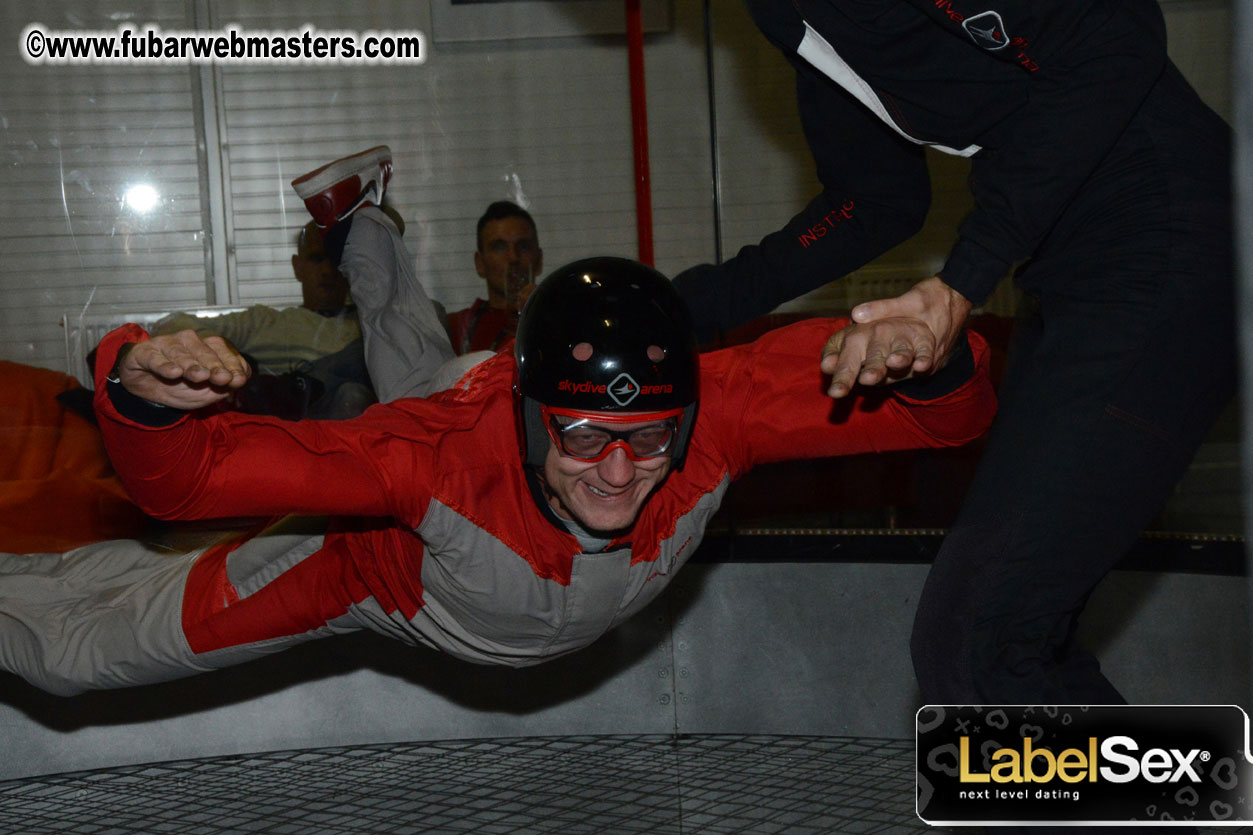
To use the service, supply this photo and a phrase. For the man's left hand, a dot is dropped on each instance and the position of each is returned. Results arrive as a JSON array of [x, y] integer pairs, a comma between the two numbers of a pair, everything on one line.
[[182, 370]]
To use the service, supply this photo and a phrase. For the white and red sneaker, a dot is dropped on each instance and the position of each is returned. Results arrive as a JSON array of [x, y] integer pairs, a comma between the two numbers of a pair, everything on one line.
[[336, 190]]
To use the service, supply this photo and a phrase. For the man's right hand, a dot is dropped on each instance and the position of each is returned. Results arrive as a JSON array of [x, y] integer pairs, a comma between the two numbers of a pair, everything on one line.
[[875, 353], [182, 370], [943, 309]]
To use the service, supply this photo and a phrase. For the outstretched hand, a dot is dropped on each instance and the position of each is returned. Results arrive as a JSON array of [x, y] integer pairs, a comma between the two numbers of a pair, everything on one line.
[[940, 307], [182, 370], [883, 351]]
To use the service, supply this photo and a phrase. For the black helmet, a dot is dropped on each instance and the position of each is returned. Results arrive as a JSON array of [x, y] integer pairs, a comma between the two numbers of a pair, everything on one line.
[[605, 335]]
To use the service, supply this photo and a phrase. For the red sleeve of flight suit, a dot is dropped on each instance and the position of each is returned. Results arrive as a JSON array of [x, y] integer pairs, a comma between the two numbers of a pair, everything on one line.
[[229, 464], [767, 402]]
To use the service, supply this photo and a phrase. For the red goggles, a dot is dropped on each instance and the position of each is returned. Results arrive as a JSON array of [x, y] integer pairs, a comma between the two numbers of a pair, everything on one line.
[[583, 437]]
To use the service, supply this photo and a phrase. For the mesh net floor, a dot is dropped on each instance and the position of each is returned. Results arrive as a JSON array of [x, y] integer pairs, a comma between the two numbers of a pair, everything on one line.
[[589, 784], [653, 784]]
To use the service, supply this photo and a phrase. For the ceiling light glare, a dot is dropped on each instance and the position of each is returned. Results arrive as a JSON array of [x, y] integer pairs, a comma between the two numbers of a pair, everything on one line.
[[142, 198]]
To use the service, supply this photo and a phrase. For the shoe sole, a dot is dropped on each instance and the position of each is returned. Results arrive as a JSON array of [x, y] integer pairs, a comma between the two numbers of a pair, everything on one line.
[[319, 180]]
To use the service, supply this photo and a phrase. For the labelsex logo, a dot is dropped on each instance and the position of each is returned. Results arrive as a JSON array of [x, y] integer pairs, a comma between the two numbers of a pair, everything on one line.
[[1039, 765]]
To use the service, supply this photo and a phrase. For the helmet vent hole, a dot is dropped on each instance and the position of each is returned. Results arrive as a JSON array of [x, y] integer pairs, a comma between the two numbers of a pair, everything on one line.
[[582, 351], [656, 353]]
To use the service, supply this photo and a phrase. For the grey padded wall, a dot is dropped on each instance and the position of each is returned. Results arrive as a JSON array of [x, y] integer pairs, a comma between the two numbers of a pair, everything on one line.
[[771, 648]]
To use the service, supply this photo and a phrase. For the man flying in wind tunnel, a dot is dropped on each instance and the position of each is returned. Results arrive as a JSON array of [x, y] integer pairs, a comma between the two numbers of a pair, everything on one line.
[[548, 496]]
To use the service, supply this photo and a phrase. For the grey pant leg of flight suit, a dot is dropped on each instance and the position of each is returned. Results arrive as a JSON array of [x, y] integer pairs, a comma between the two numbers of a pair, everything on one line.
[[103, 615], [405, 343], [112, 614]]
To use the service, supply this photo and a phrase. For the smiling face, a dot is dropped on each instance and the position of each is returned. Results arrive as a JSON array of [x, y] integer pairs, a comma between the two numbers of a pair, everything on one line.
[[603, 496]]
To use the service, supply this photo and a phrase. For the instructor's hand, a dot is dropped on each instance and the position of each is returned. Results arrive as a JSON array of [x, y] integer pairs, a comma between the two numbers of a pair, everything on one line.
[[182, 370], [943, 309], [875, 353]]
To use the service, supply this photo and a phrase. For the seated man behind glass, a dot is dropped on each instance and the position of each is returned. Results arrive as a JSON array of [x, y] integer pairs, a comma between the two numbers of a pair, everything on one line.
[[309, 356], [509, 259]]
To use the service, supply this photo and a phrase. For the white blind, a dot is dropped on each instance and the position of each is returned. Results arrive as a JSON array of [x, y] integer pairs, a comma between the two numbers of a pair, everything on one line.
[[542, 121], [76, 138]]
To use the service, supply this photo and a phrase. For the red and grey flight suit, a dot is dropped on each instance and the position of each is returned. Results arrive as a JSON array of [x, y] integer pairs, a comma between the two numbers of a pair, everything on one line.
[[440, 535], [1100, 173]]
